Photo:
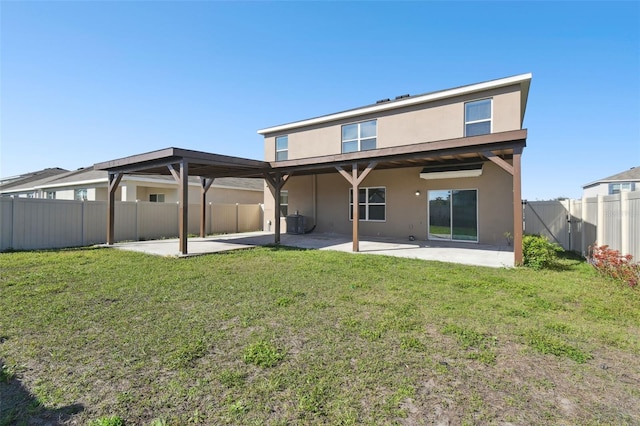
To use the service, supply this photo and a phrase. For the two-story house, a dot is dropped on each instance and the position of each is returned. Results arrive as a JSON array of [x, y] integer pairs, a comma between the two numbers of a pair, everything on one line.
[[439, 166]]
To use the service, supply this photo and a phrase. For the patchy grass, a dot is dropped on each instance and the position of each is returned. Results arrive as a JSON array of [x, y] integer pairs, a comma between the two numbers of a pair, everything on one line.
[[281, 336]]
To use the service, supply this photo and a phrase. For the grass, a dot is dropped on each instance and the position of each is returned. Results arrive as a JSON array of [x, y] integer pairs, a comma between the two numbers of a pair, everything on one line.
[[279, 336]]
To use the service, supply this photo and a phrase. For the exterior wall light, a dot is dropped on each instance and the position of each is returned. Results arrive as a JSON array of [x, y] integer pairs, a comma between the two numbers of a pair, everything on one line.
[[417, 193]]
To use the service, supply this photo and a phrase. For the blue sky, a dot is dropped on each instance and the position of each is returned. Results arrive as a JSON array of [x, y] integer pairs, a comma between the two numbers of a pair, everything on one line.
[[89, 81]]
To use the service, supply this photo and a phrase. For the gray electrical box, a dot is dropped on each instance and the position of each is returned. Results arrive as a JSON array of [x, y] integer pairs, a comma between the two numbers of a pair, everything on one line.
[[295, 224]]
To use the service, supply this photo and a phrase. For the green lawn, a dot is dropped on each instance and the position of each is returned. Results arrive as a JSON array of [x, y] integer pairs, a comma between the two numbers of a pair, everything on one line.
[[279, 336]]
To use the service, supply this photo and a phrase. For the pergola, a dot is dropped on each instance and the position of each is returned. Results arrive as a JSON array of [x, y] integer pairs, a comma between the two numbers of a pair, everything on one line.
[[354, 167]]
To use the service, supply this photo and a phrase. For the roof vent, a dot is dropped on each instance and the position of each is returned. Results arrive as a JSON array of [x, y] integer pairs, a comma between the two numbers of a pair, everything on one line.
[[402, 96], [381, 101]]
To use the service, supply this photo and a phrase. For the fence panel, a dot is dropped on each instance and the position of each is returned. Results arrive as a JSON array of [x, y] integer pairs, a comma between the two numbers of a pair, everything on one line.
[[611, 222], [589, 223], [575, 227], [44, 224], [249, 217], [157, 220], [548, 218], [95, 222], [6, 223], [224, 218], [634, 225]]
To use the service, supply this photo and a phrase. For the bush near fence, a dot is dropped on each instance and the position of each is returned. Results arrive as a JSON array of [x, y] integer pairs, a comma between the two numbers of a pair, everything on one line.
[[33, 223]]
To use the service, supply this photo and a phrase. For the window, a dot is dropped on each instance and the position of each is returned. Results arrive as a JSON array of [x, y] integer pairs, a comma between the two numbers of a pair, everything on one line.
[[477, 118], [282, 148], [372, 204], [359, 136], [453, 215], [616, 188], [284, 203], [81, 194], [156, 198], [51, 195]]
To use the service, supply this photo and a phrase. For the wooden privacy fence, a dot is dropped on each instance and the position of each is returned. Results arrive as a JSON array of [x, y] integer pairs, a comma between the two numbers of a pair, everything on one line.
[[612, 220], [33, 223]]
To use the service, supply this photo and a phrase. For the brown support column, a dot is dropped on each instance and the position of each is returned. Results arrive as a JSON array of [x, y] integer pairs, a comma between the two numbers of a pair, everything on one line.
[[356, 207], [183, 211], [205, 184], [355, 181], [517, 206], [276, 182], [114, 181]]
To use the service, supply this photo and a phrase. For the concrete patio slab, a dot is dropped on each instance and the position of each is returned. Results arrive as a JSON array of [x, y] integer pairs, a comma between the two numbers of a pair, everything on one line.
[[443, 251]]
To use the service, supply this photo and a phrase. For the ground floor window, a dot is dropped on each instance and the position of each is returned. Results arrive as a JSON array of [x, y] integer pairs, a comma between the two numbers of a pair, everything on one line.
[[80, 194], [51, 195], [284, 203], [453, 215], [372, 204], [156, 198]]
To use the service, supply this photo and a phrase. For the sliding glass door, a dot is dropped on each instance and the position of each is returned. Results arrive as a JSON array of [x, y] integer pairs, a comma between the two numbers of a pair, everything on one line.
[[453, 215]]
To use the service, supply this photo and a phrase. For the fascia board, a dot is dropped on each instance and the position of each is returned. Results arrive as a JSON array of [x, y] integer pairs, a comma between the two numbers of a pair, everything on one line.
[[429, 97]]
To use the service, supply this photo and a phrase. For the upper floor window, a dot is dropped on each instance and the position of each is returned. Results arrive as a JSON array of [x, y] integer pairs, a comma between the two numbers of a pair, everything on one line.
[[616, 188], [156, 198], [282, 148], [477, 117], [359, 136]]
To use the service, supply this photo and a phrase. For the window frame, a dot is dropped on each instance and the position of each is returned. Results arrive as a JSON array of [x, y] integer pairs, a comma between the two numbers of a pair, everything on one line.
[[157, 195], [484, 120], [367, 204], [50, 195], [618, 187], [431, 237], [81, 194], [281, 151], [359, 139], [284, 207]]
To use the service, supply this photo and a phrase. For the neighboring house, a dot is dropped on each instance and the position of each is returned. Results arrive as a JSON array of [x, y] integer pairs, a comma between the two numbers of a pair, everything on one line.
[[89, 184], [24, 185], [438, 166], [626, 181]]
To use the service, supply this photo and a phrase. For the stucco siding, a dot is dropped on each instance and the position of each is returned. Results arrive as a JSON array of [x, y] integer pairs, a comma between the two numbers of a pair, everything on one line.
[[428, 122], [406, 213]]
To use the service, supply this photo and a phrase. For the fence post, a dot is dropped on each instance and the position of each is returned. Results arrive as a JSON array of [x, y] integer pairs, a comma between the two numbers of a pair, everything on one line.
[[625, 223]]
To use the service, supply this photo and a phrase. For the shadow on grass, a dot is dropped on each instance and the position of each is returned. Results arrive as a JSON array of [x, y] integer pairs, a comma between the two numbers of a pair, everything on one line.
[[19, 407], [568, 261]]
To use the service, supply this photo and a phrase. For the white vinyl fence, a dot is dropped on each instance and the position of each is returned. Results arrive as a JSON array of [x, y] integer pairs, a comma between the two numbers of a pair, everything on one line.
[[33, 223], [612, 220]]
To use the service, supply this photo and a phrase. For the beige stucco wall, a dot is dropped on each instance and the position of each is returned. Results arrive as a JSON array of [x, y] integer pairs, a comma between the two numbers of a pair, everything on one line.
[[438, 120], [406, 213]]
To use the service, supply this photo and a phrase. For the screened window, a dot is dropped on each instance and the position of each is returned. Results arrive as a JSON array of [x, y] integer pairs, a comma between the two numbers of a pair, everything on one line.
[[282, 148], [372, 204], [359, 136], [156, 198], [81, 194], [284, 203], [477, 118]]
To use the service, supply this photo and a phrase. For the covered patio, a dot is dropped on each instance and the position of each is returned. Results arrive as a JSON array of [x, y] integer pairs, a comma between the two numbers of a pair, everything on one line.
[[476, 254], [354, 167]]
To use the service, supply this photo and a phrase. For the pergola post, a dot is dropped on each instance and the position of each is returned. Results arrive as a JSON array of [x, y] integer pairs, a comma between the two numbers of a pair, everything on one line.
[[275, 182], [355, 182], [114, 181], [205, 184], [515, 170], [517, 206], [183, 210]]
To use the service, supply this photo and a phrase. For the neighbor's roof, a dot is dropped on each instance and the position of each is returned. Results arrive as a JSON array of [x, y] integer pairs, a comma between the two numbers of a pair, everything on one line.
[[27, 181], [631, 175], [403, 101]]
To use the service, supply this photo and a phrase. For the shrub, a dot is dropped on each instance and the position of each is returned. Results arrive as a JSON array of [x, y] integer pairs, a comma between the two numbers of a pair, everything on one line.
[[611, 263], [538, 252]]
